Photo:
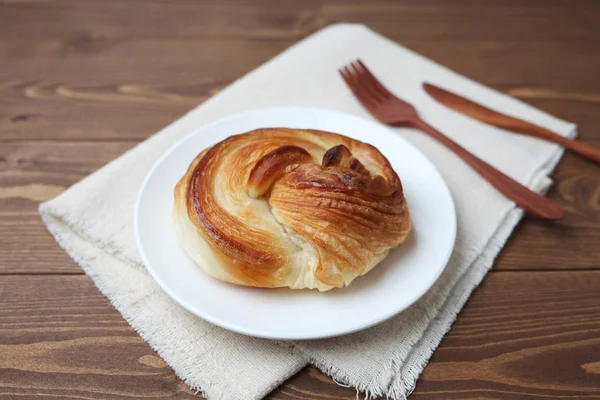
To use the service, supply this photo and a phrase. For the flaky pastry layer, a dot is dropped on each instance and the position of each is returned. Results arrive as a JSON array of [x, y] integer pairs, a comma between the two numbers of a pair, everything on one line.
[[291, 208]]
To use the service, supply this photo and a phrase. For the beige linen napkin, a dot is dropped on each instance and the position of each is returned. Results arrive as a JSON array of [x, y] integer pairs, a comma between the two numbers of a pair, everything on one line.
[[93, 221]]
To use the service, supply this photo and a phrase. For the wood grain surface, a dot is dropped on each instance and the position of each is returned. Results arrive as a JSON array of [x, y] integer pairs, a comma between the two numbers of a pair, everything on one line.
[[83, 81], [60, 338]]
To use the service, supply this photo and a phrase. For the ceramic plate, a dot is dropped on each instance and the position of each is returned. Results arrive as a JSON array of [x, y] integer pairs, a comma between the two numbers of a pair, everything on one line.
[[404, 276]]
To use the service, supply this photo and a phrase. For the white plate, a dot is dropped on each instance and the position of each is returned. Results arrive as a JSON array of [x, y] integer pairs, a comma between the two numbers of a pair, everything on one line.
[[404, 276]]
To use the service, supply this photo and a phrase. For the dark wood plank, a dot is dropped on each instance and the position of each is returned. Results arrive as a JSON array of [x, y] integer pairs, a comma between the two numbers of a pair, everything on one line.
[[60, 338], [47, 97], [274, 19], [130, 91], [521, 336], [31, 172], [97, 61], [571, 243]]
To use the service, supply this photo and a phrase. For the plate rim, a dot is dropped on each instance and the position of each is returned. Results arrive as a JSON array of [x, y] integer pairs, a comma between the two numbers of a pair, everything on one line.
[[266, 334]]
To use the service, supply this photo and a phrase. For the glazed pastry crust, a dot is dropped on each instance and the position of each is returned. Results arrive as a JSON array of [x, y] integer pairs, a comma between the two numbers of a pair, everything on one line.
[[295, 208]]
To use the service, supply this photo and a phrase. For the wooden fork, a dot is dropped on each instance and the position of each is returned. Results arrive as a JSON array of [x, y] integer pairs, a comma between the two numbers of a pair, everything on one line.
[[391, 110]]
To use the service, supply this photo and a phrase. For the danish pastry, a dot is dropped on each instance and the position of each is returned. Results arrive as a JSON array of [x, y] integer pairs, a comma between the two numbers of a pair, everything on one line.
[[291, 208]]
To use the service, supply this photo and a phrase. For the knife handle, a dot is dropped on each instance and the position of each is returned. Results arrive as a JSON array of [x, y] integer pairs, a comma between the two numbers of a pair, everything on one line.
[[530, 201], [524, 127]]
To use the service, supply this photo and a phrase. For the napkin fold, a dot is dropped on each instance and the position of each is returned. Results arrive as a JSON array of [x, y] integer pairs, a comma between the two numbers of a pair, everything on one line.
[[93, 222]]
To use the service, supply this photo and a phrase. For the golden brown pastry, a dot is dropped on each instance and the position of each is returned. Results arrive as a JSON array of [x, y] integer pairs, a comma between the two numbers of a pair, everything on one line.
[[290, 207]]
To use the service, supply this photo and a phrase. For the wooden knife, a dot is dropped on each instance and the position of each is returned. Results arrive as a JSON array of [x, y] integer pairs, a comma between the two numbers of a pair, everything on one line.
[[489, 116]]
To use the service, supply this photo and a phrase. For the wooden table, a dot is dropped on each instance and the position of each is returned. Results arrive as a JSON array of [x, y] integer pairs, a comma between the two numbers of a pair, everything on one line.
[[83, 81]]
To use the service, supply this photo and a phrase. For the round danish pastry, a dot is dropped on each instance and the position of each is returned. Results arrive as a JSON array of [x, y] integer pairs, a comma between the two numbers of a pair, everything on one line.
[[294, 208]]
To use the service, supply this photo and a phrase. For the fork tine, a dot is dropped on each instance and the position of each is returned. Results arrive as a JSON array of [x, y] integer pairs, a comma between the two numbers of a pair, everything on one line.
[[365, 83], [365, 98], [365, 87], [349, 81], [374, 82], [359, 90]]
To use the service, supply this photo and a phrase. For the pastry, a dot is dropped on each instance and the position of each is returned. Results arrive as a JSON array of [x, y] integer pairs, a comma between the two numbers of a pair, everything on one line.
[[294, 208]]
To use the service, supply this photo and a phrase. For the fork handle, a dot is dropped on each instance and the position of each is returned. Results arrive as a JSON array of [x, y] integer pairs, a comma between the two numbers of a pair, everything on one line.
[[525, 198]]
